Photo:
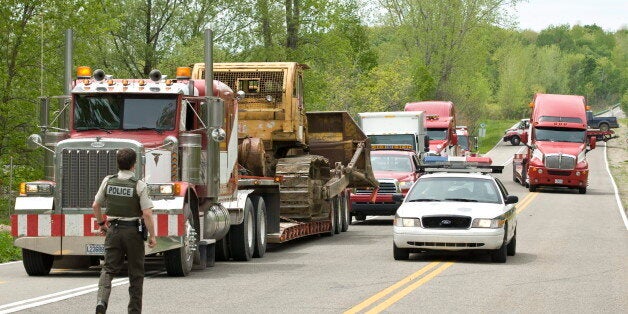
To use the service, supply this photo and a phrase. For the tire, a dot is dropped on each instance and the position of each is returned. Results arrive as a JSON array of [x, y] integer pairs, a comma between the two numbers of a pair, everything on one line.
[[36, 263], [511, 249], [360, 217], [222, 249], [604, 127], [400, 254], [260, 226], [500, 255], [346, 216], [179, 261], [242, 236], [532, 188], [582, 190], [338, 213], [515, 141]]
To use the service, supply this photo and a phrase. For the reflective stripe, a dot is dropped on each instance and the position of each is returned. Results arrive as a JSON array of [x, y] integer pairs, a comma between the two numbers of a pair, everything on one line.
[[173, 225]]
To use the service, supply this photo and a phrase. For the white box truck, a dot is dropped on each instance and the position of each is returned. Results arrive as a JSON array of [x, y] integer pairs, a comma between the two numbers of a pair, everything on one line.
[[394, 129]]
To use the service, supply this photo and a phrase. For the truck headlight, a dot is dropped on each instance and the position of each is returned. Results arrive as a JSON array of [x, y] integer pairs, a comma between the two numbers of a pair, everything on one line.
[[37, 188], [488, 223], [407, 222], [165, 189], [405, 185]]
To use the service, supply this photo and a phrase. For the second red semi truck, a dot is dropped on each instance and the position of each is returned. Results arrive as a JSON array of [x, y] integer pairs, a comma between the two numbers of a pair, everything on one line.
[[556, 154], [441, 126]]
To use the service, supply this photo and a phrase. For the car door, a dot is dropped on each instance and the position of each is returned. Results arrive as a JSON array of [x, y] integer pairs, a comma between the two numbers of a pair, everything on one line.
[[512, 218]]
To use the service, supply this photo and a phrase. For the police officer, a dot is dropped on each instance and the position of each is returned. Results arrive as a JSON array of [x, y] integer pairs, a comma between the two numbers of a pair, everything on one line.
[[127, 202]]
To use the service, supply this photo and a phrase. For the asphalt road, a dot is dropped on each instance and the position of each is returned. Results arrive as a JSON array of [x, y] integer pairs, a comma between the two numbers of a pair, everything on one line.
[[572, 253]]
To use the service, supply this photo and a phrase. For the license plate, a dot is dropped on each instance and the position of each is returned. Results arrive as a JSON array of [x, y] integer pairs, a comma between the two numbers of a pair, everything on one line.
[[558, 181], [95, 249]]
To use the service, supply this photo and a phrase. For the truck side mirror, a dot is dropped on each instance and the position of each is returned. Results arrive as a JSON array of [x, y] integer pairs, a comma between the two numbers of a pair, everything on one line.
[[426, 143], [592, 142], [34, 141]]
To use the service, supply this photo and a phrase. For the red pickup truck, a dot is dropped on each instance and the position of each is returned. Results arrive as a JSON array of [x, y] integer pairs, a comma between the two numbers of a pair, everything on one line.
[[396, 171]]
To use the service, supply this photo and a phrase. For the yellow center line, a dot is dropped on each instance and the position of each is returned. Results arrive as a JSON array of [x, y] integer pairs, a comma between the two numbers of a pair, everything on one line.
[[399, 295], [390, 289], [527, 200]]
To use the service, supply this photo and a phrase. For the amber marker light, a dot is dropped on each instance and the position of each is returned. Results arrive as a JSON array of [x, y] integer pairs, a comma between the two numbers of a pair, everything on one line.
[[83, 72], [110, 82], [23, 188], [125, 82], [141, 83], [184, 73]]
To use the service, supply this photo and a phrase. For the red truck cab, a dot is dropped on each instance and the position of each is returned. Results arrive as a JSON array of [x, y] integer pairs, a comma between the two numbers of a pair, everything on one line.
[[556, 155], [441, 126], [396, 171]]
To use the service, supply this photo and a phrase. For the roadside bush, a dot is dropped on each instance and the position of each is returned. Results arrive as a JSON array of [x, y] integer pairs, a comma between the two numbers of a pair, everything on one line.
[[8, 252]]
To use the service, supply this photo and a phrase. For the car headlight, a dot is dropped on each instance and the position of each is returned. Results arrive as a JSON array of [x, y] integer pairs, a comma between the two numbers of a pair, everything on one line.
[[39, 188], [165, 189], [488, 223], [405, 185], [407, 222]]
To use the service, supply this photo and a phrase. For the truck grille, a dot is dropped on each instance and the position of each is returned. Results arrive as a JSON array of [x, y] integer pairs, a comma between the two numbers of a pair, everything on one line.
[[447, 222], [385, 187], [82, 173], [560, 161]]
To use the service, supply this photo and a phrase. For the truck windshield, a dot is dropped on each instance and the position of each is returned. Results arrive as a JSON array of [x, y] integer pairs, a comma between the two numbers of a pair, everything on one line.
[[560, 135], [437, 134], [399, 139], [123, 111], [463, 142], [391, 163]]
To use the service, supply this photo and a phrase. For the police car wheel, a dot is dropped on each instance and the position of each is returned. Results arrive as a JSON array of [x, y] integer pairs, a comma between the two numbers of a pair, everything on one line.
[[400, 254], [36, 263], [242, 236], [512, 245], [260, 226]]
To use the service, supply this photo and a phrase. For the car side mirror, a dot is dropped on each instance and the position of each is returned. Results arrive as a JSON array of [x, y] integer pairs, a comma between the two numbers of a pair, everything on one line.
[[397, 197], [511, 199]]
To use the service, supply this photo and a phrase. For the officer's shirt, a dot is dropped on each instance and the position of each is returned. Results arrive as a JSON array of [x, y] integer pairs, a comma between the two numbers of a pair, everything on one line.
[[141, 189]]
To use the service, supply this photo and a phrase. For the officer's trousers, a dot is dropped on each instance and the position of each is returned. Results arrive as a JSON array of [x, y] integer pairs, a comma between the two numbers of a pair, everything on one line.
[[122, 241]]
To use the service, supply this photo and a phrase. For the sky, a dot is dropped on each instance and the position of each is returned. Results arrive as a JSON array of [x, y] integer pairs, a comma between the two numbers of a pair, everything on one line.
[[610, 15]]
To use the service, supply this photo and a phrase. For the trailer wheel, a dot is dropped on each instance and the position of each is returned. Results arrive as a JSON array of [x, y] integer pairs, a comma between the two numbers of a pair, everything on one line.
[[179, 261], [36, 263], [242, 236], [515, 140], [346, 216], [260, 226], [604, 127], [338, 214]]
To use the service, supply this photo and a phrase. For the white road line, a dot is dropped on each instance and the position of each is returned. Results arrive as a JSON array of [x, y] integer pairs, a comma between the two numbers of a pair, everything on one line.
[[622, 212], [510, 159], [59, 296], [10, 263]]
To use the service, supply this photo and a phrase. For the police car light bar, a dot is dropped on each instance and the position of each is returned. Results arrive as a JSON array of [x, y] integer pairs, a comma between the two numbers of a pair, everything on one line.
[[459, 164]]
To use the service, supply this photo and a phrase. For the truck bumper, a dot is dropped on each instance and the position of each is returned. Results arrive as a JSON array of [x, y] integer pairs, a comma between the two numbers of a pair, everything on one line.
[[565, 178], [383, 205]]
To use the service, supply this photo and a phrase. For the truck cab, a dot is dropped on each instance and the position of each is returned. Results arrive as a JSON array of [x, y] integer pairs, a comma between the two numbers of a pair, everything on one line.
[[556, 155], [396, 171], [441, 126]]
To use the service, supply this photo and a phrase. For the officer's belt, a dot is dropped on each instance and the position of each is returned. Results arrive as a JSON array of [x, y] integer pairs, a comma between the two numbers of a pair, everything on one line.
[[118, 222]]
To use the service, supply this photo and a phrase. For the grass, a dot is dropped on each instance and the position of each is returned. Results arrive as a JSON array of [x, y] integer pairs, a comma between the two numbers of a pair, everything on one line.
[[494, 133], [8, 252], [618, 160]]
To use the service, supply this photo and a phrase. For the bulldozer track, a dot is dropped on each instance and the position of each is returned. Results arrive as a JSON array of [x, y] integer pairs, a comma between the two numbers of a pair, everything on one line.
[[301, 188]]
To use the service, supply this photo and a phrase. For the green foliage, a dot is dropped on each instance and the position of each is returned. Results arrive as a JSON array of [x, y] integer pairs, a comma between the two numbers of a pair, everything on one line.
[[494, 133], [8, 252]]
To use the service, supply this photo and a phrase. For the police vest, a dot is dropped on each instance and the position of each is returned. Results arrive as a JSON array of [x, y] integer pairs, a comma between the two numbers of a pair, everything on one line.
[[122, 197]]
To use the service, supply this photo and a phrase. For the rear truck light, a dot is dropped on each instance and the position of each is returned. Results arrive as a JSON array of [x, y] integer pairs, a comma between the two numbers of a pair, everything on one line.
[[164, 189], [35, 188]]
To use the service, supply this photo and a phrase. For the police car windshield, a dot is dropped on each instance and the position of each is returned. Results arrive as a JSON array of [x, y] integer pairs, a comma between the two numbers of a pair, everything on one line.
[[123, 111], [455, 189]]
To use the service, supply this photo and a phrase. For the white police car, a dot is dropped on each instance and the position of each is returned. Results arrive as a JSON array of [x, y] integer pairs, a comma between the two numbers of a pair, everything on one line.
[[453, 211]]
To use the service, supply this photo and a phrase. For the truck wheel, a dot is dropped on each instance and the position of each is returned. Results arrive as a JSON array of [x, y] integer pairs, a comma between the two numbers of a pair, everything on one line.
[[242, 236], [360, 217], [260, 226], [532, 188], [511, 249], [346, 216], [222, 249], [604, 127], [582, 190], [338, 212], [36, 263], [515, 141], [400, 254], [179, 261]]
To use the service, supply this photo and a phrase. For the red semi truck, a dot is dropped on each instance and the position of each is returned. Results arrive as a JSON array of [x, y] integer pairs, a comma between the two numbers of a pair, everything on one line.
[[440, 124], [556, 154]]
